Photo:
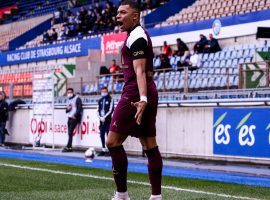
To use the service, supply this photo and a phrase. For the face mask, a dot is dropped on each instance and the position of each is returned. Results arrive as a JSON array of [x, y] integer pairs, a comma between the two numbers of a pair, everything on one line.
[[104, 94], [69, 95]]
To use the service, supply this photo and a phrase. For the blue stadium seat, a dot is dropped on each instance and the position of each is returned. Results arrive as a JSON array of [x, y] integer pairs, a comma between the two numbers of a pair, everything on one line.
[[223, 82], [228, 54], [211, 81], [217, 55], [241, 60], [181, 83], [246, 53], [204, 83], [217, 64], [217, 71], [205, 57], [211, 56], [223, 71], [222, 55], [234, 54], [235, 71], [192, 83], [160, 85], [223, 63], [205, 64], [240, 53], [175, 84], [200, 73], [252, 52], [217, 82], [211, 64], [211, 71], [248, 60], [235, 63]]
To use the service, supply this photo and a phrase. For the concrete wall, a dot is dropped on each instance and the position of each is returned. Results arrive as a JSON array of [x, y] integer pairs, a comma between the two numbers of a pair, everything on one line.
[[18, 126], [186, 131], [181, 132]]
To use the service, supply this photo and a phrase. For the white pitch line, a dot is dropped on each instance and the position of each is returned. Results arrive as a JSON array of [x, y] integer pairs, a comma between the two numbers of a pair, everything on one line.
[[129, 181]]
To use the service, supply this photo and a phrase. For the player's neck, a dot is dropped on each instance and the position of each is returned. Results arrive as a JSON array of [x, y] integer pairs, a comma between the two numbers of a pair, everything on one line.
[[135, 26]]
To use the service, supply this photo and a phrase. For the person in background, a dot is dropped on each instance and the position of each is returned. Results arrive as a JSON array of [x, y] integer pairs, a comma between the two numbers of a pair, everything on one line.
[[104, 112], [195, 61], [181, 47], [167, 51], [185, 60], [3, 117], [74, 113], [212, 45], [113, 68], [165, 62], [173, 60], [54, 35], [200, 45]]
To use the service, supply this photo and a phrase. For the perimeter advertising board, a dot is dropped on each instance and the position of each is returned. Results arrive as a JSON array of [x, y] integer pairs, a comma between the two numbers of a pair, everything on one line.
[[85, 135], [242, 132]]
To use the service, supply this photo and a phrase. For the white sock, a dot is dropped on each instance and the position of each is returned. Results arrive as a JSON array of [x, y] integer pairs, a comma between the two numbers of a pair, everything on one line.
[[122, 194], [104, 149], [158, 197]]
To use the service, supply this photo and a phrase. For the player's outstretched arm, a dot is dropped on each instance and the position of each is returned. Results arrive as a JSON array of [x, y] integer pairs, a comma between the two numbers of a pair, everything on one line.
[[139, 67]]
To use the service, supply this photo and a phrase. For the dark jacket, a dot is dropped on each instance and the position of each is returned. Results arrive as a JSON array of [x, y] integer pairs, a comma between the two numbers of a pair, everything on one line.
[[182, 47], [3, 111], [108, 104], [214, 45]]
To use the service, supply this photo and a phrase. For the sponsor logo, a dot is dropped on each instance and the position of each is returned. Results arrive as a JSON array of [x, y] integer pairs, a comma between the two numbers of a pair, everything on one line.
[[111, 44], [216, 27], [41, 126], [245, 132], [137, 53]]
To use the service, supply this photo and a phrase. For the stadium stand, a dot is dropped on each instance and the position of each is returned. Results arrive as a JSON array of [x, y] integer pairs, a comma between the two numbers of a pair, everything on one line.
[[11, 31], [211, 9], [95, 23], [20, 82], [27, 9], [219, 71]]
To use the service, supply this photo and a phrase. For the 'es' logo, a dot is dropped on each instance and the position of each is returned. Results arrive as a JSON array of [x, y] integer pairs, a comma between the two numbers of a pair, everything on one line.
[[222, 135], [246, 133]]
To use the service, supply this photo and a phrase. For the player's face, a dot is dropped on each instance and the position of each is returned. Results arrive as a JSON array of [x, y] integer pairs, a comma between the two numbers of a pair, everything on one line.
[[126, 18]]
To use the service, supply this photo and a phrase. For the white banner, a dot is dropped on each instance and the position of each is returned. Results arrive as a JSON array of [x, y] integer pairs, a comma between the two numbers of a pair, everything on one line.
[[43, 101], [85, 135]]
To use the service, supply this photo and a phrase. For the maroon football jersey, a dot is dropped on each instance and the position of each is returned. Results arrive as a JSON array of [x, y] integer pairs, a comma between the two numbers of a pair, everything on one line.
[[127, 60], [137, 45]]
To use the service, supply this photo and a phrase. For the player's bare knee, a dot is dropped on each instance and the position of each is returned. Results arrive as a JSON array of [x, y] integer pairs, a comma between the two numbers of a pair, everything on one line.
[[148, 142], [109, 144], [115, 139]]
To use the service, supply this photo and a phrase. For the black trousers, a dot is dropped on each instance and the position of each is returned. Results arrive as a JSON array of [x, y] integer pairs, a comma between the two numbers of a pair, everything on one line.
[[72, 123], [104, 128]]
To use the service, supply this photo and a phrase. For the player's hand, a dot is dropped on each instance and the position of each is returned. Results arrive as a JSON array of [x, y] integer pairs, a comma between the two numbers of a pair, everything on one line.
[[74, 117], [102, 119], [140, 105]]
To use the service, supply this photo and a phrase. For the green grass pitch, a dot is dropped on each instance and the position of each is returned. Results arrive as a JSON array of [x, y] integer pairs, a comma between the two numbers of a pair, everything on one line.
[[28, 180]]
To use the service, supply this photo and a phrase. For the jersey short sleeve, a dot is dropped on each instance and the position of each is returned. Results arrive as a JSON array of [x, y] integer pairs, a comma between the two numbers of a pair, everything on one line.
[[137, 43]]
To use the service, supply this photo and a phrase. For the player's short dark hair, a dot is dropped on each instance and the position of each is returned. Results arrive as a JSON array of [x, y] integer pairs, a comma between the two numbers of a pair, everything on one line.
[[70, 89], [132, 4]]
